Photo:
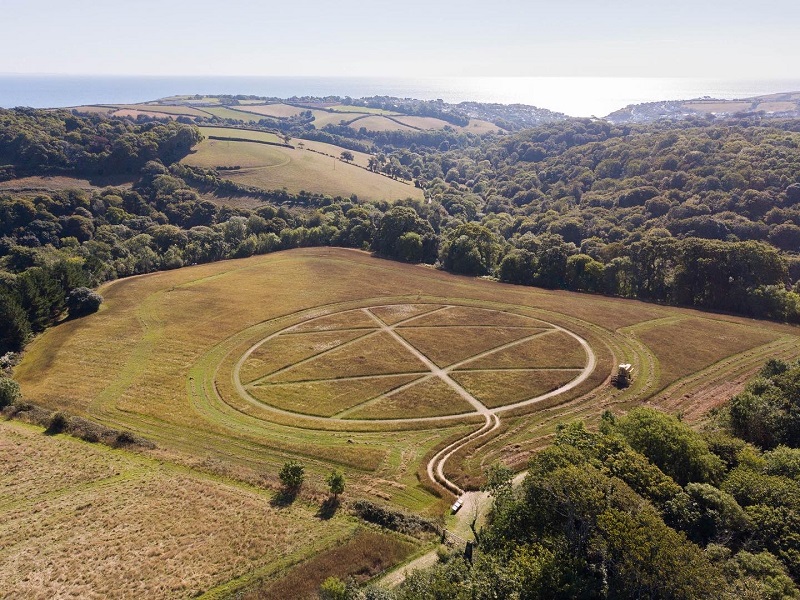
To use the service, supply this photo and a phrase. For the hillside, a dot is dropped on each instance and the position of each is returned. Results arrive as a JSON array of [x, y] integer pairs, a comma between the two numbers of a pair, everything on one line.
[[786, 106]]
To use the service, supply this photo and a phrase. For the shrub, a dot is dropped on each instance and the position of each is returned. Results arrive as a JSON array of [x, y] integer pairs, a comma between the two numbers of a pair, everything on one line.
[[83, 301], [58, 423], [9, 391]]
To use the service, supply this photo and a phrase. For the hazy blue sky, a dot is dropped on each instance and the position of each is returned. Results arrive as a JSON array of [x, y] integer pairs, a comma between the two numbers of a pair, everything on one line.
[[700, 38]]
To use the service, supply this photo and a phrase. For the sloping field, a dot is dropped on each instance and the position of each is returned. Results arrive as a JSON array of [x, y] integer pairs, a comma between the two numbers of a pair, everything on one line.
[[278, 111], [359, 158], [362, 109], [271, 167], [378, 123], [242, 134], [174, 357], [479, 127], [224, 112], [323, 117], [86, 521], [422, 122], [129, 112], [165, 109]]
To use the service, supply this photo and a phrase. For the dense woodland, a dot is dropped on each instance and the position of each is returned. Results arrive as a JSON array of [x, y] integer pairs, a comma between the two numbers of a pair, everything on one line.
[[696, 213]]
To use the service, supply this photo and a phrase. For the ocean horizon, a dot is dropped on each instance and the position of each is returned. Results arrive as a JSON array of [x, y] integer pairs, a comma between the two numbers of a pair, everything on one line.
[[574, 96]]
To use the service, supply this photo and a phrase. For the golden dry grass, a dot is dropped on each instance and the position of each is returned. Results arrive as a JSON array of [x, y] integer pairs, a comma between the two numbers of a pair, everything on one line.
[[469, 317], [129, 112], [718, 106], [480, 127], [54, 182], [777, 106], [344, 108], [498, 388], [158, 358], [448, 345], [422, 122], [350, 319], [685, 346], [430, 397], [400, 312], [326, 398], [86, 521], [373, 354], [322, 118], [223, 112], [378, 123], [552, 349], [165, 109], [278, 111], [285, 350]]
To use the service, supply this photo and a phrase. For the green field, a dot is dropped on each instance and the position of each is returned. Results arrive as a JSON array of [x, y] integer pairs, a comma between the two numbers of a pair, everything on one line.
[[296, 169], [242, 134]]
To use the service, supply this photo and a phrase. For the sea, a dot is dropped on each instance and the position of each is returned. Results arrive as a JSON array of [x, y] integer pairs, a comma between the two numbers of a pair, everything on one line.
[[575, 96]]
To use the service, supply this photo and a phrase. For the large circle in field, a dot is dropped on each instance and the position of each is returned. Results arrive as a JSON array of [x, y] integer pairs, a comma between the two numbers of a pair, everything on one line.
[[411, 361]]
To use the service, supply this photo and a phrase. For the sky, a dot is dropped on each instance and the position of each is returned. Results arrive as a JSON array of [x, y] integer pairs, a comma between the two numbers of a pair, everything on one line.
[[415, 38]]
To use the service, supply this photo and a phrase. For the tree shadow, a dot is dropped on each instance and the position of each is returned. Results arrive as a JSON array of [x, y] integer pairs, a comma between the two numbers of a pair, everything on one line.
[[284, 498], [328, 508]]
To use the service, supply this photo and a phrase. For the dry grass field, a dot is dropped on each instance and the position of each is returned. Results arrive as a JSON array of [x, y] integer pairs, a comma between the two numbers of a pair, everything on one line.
[[422, 122], [277, 111], [166, 353], [167, 109], [271, 167], [87, 521], [237, 366], [378, 123], [718, 107], [224, 112]]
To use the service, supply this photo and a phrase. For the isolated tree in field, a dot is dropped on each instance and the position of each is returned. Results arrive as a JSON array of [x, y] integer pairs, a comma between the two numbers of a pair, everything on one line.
[[292, 475], [348, 156], [336, 483]]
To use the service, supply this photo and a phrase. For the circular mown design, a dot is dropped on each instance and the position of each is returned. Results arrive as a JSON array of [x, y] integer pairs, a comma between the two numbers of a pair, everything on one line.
[[411, 361]]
